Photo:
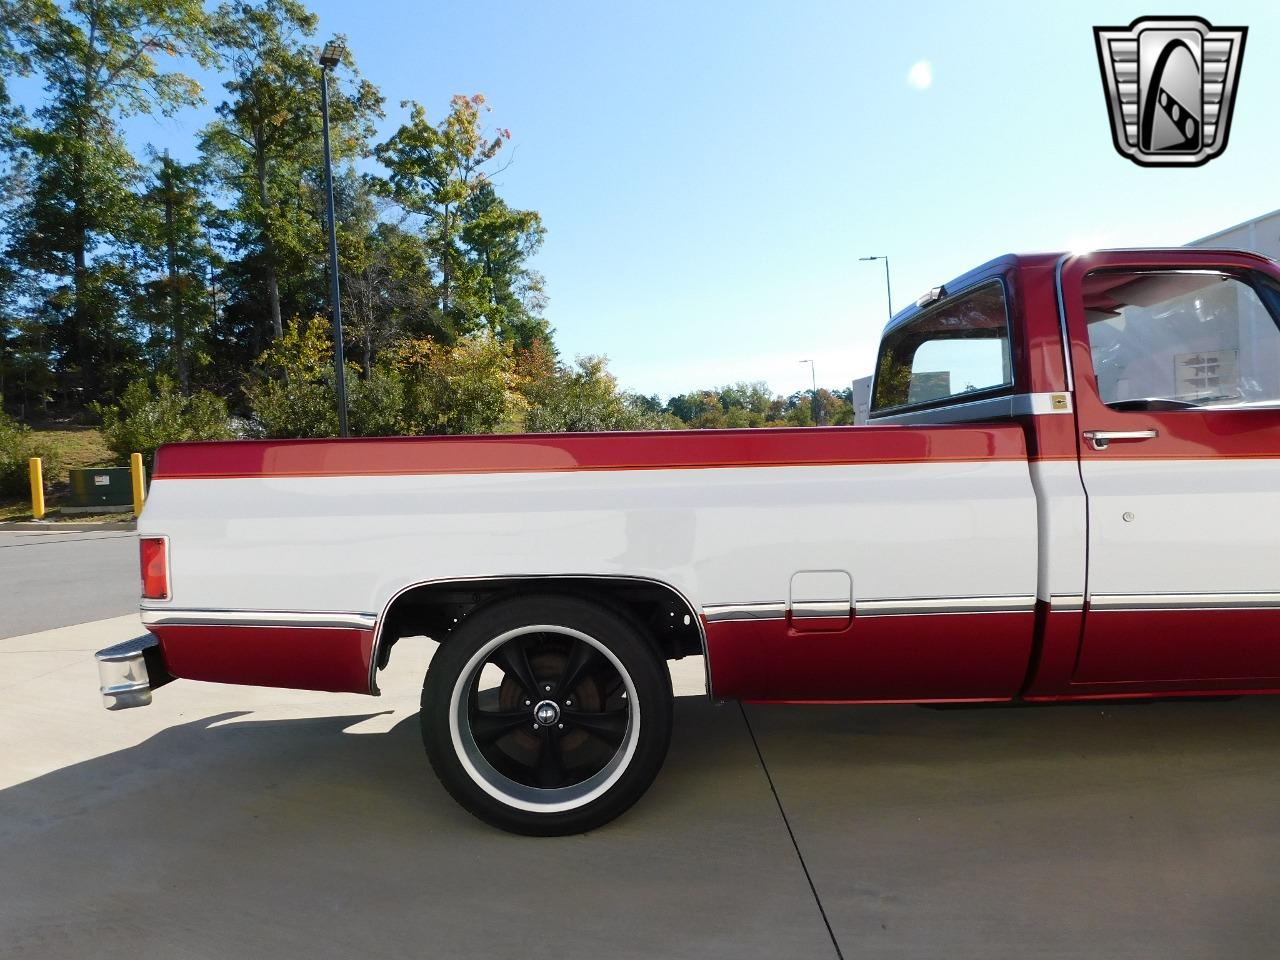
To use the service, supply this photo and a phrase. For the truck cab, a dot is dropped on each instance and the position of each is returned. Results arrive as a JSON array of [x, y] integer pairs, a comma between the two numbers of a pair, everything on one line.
[[1147, 383]]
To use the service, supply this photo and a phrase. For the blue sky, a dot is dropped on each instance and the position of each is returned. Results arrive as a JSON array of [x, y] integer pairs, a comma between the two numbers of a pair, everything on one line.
[[709, 173]]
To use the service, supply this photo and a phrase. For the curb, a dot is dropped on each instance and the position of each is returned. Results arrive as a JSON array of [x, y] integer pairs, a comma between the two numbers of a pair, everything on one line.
[[66, 526]]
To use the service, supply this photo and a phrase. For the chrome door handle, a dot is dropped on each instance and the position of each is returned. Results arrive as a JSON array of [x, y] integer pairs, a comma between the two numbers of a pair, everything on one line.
[[1101, 439]]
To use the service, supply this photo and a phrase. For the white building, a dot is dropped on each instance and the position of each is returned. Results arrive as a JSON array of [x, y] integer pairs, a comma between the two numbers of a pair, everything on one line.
[[861, 399], [1259, 235]]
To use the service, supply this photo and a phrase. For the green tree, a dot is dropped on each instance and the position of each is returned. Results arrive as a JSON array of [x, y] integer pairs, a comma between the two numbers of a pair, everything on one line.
[[584, 397], [265, 146], [176, 255], [499, 242], [479, 246], [19, 19], [734, 406], [386, 281], [699, 408], [99, 60], [13, 62]]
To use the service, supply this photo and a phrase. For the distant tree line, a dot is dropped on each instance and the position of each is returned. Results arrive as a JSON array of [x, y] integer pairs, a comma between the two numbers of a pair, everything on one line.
[[176, 299]]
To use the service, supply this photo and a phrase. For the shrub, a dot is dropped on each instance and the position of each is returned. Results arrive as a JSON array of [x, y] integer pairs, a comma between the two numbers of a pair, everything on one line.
[[585, 397], [375, 404], [294, 396], [468, 387], [18, 444], [143, 420]]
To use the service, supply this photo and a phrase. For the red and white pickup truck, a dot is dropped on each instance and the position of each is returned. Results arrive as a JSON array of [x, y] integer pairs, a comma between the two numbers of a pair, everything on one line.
[[1070, 490]]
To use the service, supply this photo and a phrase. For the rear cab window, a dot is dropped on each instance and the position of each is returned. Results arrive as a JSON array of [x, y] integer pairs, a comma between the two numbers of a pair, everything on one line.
[[954, 352]]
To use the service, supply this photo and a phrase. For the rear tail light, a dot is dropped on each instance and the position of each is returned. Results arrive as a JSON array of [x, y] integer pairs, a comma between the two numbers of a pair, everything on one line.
[[154, 555]]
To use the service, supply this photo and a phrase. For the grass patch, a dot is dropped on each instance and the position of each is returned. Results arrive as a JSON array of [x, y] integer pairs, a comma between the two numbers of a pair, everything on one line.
[[14, 510], [76, 447], [21, 513]]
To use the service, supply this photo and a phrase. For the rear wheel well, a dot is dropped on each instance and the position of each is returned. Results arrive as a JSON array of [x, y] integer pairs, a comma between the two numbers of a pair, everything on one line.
[[660, 612]]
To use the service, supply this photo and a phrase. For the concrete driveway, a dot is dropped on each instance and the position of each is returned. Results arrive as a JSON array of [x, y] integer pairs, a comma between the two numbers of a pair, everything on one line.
[[242, 822]]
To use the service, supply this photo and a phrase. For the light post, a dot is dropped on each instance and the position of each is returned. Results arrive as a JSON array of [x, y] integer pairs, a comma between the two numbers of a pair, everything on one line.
[[817, 409], [329, 58], [887, 291]]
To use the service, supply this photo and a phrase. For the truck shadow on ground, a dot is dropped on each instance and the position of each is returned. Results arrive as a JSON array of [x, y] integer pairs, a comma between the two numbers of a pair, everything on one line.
[[235, 837], [229, 836]]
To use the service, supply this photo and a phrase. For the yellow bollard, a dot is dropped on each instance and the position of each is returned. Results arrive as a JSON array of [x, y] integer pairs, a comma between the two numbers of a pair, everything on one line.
[[139, 474], [37, 488]]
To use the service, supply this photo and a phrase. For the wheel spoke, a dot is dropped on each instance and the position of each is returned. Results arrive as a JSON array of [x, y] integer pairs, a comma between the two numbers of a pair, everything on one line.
[[488, 726], [514, 661], [550, 765], [582, 658], [609, 726]]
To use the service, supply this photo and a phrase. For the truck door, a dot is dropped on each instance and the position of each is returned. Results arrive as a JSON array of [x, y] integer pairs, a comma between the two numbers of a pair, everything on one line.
[[1176, 365]]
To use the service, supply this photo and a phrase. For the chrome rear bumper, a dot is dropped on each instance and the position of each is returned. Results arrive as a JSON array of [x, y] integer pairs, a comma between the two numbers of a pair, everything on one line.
[[129, 671]]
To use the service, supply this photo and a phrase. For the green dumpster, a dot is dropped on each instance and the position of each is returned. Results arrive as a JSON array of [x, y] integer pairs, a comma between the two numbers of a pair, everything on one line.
[[100, 490]]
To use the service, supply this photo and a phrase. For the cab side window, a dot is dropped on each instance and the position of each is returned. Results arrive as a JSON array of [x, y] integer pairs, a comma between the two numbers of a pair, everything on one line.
[[1173, 340], [954, 352]]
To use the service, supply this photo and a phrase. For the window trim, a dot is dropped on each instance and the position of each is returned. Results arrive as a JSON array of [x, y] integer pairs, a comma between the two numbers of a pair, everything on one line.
[[956, 399]]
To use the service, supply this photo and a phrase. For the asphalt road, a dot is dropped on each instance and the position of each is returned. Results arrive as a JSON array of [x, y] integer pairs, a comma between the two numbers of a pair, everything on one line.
[[57, 579], [238, 821]]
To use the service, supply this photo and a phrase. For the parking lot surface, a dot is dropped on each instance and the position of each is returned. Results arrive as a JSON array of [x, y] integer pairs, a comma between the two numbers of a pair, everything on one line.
[[60, 578], [242, 822]]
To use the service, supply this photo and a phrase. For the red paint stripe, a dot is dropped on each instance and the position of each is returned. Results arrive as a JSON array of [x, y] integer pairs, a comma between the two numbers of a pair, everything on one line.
[[902, 659], [1224, 648], [691, 449], [303, 658]]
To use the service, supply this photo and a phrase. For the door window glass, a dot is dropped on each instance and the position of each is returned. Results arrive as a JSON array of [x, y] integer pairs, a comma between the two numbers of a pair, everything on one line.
[[1171, 340]]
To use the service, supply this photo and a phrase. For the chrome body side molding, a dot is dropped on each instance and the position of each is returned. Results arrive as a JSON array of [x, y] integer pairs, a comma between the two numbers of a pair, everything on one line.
[[1184, 601], [258, 618], [777, 610], [820, 609], [936, 605], [717, 613]]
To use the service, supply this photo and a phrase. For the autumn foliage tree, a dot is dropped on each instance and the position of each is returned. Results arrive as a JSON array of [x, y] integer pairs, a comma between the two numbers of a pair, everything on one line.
[[441, 176]]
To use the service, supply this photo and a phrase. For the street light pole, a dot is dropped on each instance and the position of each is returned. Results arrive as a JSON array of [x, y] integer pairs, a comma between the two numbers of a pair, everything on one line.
[[888, 291], [329, 58], [816, 408]]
